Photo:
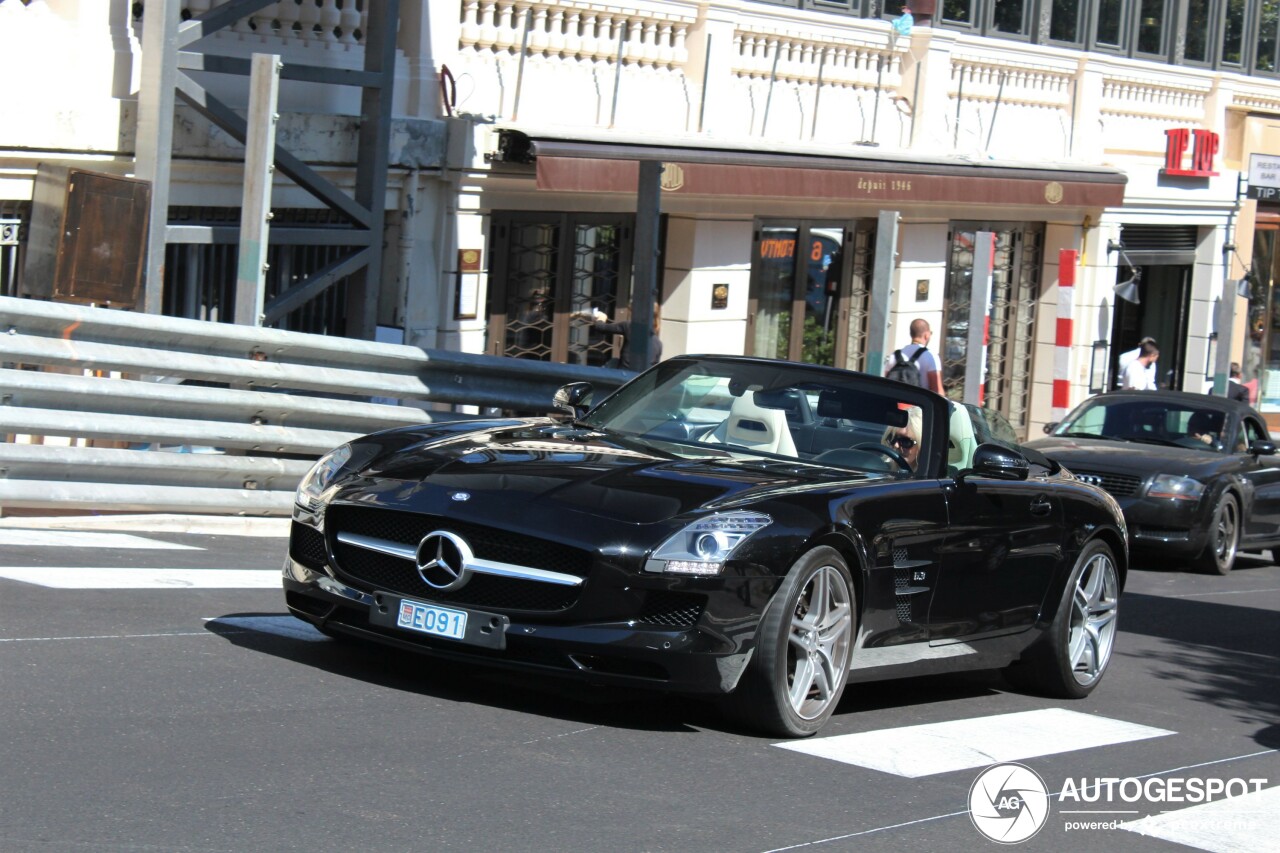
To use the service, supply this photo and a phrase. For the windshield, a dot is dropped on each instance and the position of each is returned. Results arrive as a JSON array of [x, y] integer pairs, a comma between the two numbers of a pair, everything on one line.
[[1160, 422], [769, 410]]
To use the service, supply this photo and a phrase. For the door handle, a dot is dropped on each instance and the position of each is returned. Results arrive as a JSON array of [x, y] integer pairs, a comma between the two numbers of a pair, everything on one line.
[[1041, 506]]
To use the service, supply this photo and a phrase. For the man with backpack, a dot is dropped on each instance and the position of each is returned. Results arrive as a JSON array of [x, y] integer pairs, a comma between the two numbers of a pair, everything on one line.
[[914, 364]]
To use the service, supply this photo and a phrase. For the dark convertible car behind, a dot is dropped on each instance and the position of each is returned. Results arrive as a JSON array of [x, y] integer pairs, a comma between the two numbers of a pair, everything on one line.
[[1197, 476], [756, 529]]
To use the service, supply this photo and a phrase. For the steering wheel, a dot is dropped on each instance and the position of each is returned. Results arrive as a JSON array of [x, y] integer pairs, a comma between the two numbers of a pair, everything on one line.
[[884, 450]]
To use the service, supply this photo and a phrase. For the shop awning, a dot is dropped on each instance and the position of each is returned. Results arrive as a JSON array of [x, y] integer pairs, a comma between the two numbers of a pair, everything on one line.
[[604, 166]]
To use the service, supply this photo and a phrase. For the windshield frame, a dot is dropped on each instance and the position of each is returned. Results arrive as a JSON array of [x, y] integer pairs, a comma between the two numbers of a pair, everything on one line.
[[638, 411]]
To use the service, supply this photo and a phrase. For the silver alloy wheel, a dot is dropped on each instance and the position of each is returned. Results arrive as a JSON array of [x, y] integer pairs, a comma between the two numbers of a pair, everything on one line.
[[818, 642], [1092, 631], [1224, 534]]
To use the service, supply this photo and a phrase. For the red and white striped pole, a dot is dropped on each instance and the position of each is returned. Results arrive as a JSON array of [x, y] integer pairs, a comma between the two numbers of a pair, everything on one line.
[[1062, 349]]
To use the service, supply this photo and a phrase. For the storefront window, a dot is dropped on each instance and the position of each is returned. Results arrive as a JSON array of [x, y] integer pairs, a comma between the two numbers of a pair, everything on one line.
[[1261, 364], [1017, 257], [808, 300], [775, 276]]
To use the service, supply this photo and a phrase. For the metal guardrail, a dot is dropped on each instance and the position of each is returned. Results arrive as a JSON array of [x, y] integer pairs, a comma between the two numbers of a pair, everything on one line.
[[246, 408]]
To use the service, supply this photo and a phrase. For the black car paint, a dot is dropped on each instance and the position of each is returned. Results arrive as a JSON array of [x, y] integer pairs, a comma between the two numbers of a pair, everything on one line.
[[612, 497]]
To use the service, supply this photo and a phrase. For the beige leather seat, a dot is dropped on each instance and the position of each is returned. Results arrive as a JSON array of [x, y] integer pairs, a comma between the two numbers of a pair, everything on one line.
[[754, 427], [962, 442]]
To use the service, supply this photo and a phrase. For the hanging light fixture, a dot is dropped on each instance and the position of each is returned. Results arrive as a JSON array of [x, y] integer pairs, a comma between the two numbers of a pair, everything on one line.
[[1127, 289]]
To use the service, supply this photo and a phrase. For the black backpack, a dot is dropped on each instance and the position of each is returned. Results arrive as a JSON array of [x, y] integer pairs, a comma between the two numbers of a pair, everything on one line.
[[904, 369]]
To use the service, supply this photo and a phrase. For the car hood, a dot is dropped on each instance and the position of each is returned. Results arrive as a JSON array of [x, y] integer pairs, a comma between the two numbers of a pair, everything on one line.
[[1127, 457], [545, 470]]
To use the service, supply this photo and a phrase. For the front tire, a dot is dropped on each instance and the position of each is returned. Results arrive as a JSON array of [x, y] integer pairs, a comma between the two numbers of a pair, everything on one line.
[[1072, 656], [1219, 555], [803, 648]]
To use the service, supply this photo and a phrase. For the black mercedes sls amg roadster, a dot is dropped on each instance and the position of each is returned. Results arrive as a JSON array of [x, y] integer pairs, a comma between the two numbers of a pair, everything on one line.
[[755, 529]]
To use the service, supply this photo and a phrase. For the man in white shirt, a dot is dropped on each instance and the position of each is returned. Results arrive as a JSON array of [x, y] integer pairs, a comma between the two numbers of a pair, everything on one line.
[[927, 363], [1139, 373], [1126, 358]]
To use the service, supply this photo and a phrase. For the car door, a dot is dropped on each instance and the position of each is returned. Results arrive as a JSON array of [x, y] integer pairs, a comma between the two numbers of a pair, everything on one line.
[[1003, 544], [1002, 547], [1262, 474], [905, 522]]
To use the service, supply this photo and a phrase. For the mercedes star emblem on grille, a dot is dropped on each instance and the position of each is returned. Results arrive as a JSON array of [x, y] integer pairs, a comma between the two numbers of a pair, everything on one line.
[[443, 559]]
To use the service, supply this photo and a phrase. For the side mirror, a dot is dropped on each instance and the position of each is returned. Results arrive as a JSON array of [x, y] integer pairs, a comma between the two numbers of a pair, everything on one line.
[[571, 398], [1051, 426], [1262, 448], [998, 463]]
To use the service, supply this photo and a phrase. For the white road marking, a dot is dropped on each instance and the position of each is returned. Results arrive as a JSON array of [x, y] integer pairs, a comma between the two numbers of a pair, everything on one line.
[[1249, 823], [1222, 592], [77, 577], [281, 626], [818, 842], [107, 637], [915, 751], [87, 539]]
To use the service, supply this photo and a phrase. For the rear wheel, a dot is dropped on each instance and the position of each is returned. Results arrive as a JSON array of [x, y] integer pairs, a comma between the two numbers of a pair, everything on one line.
[[1224, 538], [803, 648], [1069, 661]]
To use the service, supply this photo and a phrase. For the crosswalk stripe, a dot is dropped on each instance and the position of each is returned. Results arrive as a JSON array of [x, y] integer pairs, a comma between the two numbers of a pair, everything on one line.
[[80, 577], [1249, 822], [87, 539], [915, 751], [281, 626]]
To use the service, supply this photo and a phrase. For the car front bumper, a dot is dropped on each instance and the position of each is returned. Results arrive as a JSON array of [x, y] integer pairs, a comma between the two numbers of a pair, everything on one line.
[[708, 657], [1174, 528]]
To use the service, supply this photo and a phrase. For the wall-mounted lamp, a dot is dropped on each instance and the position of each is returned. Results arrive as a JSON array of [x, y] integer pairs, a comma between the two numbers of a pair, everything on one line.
[[1098, 365], [1127, 289]]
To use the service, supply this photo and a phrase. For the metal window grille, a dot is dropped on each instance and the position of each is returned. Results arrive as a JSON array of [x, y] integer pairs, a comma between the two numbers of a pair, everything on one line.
[[200, 279]]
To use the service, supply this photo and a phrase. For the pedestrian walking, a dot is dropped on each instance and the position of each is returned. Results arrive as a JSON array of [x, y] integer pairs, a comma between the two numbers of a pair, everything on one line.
[[1129, 355], [914, 363], [1138, 374]]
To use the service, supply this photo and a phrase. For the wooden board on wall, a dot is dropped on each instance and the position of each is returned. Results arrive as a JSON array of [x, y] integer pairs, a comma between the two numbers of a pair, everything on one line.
[[88, 237]]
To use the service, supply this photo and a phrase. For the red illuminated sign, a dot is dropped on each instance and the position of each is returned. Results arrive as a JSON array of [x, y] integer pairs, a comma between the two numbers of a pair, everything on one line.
[[1204, 145]]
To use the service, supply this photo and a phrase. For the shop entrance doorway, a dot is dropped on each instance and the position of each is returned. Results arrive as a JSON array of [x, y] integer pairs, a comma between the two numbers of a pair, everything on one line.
[[549, 266], [1165, 291]]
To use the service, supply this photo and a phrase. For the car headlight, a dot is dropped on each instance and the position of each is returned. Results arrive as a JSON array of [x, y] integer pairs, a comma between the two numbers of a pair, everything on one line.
[[1176, 487], [320, 476], [703, 546]]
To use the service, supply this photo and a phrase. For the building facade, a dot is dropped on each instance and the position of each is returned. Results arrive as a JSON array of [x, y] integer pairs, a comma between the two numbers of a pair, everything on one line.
[[829, 172]]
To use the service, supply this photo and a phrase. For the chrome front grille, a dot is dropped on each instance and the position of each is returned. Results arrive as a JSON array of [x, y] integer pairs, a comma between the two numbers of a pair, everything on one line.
[[372, 570], [1119, 485]]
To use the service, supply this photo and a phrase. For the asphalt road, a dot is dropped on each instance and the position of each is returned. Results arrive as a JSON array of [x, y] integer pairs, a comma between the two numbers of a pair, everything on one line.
[[190, 713]]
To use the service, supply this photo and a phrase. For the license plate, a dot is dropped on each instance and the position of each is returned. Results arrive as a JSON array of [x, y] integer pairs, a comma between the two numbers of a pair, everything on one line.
[[426, 619]]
